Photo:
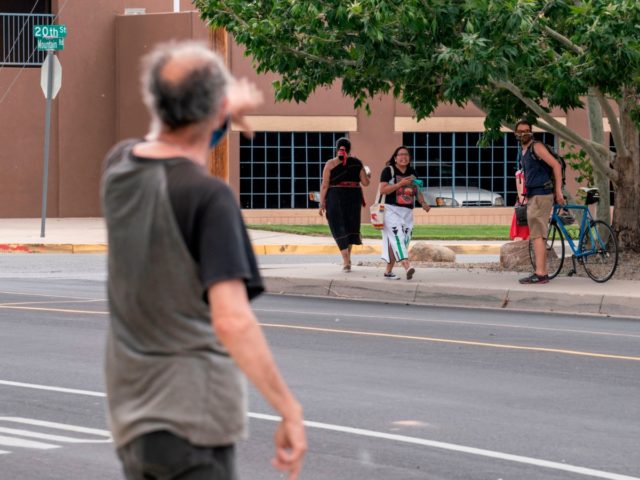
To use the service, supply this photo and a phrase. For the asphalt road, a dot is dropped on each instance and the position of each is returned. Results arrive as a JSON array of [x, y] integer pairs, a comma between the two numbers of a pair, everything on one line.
[[393, 392]]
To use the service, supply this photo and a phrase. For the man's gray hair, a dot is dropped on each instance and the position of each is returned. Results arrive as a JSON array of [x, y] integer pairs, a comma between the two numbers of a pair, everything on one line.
[[183, 83]]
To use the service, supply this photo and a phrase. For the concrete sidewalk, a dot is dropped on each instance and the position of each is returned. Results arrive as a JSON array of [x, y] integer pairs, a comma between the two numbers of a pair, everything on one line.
[[476, 288]]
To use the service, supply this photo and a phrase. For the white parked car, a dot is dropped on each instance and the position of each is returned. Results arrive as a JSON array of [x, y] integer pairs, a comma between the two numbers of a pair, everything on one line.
[[461, 196]]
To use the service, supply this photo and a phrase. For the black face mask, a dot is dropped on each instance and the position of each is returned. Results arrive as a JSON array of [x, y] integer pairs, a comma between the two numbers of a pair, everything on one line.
[[524, 137], [217, 134]]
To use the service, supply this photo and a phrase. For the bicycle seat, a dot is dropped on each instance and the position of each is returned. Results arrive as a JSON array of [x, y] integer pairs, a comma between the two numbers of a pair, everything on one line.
[[592, 195]]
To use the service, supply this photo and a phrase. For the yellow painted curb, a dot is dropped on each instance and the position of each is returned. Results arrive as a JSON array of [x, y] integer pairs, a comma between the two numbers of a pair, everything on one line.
[[475, 249], [38, 248], [312, 249], [52, 248], [90, 248]]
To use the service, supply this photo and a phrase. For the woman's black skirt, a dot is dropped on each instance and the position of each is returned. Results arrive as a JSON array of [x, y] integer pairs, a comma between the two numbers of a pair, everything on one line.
[[343, 215]]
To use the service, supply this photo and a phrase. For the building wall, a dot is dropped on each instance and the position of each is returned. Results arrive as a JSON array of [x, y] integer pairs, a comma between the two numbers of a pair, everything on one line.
[[83, 117], [136, 36], [22, 116]]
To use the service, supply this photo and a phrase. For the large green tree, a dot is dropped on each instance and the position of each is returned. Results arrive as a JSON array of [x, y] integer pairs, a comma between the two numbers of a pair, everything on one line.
[[511, 58]]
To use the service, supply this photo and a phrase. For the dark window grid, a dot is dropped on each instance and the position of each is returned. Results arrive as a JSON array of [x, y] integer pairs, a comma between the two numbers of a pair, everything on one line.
[[295, 198], [500, 151]]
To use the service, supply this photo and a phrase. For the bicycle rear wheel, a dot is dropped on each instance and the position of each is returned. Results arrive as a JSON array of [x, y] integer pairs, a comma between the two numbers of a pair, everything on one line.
[[554, 248], [602, 263]]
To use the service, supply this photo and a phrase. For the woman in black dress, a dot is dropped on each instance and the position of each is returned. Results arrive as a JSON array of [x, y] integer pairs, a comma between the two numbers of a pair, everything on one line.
[[341, 198]]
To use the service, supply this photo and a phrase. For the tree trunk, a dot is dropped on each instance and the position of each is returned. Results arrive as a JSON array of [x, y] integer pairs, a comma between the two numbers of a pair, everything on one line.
[[626, 215]]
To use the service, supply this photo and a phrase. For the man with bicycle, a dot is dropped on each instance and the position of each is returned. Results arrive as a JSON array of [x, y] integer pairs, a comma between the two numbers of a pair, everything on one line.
[[543, 183]]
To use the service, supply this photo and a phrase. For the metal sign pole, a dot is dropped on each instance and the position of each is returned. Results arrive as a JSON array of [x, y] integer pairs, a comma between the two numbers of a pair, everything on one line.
[[47, 132]]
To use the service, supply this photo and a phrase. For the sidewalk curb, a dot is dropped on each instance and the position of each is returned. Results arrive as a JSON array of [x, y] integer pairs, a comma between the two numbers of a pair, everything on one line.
[[52, 248], [258, 249], [429, 294]]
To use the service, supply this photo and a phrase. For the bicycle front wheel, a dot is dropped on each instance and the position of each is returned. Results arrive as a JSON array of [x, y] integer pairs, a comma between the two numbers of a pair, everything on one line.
[[601, 252], [554, 248]]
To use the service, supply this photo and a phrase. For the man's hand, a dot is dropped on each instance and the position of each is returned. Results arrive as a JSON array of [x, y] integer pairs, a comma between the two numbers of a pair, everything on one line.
[[291, 445], [560, 197], [322, 210], [243, 96]]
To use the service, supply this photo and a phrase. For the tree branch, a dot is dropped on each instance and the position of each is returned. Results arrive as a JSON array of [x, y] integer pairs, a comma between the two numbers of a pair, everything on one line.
[[562, 39], [596, 159], [316, 58], [587, 145], [614, 122], [546, 116]]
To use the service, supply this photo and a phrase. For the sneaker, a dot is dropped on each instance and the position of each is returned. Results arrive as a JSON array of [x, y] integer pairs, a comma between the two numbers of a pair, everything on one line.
[[391, 276], [534, 278], [410, 273], [346, 268]]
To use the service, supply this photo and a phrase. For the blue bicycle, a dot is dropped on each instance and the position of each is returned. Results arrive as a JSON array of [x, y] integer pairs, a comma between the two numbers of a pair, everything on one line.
[[596, 248]]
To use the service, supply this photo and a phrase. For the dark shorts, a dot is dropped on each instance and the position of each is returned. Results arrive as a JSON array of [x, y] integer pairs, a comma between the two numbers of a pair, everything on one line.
[[165, 456]]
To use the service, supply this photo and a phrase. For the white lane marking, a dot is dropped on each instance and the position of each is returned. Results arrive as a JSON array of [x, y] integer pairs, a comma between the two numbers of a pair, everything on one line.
[[48, 436], [457, 448], [27, 294], [59, 310], [397, 438], [59, 426], [4, 452], [20, 442], [449, 322], [53, 389], [49, 302]]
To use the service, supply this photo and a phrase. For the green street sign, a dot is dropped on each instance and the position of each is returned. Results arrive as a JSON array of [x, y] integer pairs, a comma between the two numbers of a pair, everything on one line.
[[51, 44], [49, 31]]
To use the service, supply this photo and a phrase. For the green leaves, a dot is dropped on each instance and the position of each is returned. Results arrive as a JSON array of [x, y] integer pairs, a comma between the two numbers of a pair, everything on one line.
[[431, 51]]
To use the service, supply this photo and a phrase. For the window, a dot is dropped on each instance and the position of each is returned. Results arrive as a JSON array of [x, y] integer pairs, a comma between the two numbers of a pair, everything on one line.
[[456, 159], [17, 44], [279, 169]]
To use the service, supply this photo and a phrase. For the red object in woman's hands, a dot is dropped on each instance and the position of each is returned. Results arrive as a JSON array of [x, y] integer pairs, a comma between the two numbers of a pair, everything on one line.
[[343, 155]]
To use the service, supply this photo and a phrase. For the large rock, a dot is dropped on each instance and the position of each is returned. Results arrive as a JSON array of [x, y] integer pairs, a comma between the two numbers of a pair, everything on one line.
[[425, 252], [515, 254]]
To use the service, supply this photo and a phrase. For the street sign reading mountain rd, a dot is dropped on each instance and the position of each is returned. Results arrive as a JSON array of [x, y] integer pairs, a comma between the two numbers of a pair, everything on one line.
[[51, 44]]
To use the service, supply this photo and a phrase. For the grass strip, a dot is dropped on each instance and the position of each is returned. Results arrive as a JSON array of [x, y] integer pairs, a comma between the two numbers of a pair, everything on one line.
[[420, 232]]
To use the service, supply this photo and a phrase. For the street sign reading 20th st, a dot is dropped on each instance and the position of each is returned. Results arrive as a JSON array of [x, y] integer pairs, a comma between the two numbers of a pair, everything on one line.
[[49, 31]]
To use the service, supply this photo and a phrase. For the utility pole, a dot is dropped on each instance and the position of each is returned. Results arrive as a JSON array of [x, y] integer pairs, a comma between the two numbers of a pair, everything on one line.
[[219, 158]]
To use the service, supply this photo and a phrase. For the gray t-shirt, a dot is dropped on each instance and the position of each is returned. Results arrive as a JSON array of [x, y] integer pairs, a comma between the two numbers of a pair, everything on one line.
[[164, 368]]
